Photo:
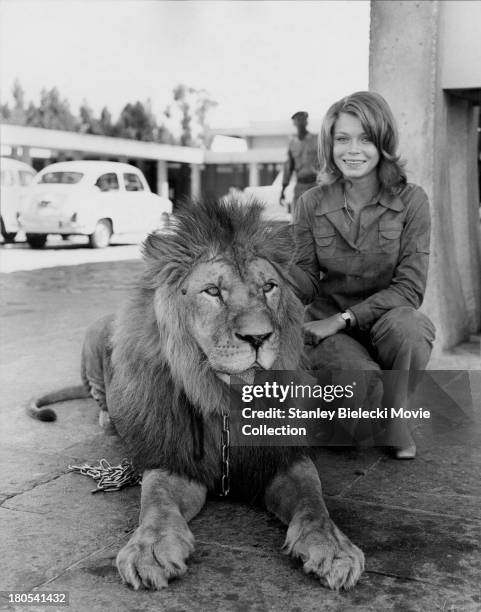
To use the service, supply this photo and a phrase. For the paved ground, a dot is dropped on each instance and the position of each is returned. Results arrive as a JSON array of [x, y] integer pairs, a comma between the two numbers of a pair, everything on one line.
[[418, 522], [19, 256]]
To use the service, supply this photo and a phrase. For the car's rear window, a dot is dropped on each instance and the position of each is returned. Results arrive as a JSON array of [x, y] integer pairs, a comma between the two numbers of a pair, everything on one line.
[[61, 177]]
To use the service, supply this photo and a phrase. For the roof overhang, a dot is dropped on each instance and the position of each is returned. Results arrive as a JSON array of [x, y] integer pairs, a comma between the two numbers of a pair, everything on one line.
[[20, 136], [40, 138]]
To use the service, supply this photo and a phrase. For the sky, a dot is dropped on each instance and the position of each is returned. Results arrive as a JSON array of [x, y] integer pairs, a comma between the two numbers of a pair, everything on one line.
[[260, 60]]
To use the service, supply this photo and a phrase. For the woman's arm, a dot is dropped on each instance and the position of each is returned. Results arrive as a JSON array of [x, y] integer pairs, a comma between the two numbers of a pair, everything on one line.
[[408, 283]]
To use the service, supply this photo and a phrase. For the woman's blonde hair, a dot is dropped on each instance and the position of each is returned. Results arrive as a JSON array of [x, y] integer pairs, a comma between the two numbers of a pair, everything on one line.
[[378, 122]]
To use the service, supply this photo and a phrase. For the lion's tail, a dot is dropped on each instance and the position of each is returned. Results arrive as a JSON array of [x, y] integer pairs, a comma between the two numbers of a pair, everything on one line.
[[36, 409]]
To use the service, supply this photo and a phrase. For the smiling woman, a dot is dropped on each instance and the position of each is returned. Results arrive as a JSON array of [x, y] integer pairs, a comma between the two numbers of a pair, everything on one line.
[[362, 255]]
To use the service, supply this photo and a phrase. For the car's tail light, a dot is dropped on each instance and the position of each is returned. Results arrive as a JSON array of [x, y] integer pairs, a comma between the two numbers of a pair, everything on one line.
[[73, 218]]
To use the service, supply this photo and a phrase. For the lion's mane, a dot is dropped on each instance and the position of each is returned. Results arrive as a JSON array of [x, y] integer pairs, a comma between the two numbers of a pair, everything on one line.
[[164, 398]]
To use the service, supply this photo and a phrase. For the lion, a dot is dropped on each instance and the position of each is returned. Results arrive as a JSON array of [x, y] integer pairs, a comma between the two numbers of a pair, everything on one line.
[[215, 301]]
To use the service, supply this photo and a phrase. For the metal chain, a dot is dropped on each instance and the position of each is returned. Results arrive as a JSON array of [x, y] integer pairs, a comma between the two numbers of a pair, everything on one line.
[[109, 477], [114, 478], [225, 451]]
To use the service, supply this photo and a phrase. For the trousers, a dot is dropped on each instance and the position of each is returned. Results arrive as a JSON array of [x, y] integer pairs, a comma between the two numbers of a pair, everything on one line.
[[401, 341]]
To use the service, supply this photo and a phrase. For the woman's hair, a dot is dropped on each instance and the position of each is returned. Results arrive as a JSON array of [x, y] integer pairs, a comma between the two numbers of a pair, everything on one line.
[[377, 120]]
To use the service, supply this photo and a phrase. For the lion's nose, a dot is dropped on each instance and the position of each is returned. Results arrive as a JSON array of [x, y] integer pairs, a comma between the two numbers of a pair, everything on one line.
[[254, 340]]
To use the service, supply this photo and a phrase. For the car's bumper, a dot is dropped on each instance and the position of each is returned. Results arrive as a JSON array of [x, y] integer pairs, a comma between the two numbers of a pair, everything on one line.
[[53, 226]]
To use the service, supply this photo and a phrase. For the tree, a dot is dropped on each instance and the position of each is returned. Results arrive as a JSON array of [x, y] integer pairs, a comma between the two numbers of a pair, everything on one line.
[[52, 113], [181, 95], [88, 124], [137, 121], [105, 122], [192, 106], [188, 109], [18, 115], [5, 113], [202, 107]]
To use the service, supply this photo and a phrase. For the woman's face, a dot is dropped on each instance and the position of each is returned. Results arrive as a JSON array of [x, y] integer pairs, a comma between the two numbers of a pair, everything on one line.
[[354, 153]]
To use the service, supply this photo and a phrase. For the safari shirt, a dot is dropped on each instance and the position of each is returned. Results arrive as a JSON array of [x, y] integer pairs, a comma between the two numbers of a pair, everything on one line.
[[383, 268]]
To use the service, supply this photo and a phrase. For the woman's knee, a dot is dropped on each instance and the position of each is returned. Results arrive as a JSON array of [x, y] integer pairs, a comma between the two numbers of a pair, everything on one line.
[[340, 352], [404, 327], [403, 322], [350, 362]]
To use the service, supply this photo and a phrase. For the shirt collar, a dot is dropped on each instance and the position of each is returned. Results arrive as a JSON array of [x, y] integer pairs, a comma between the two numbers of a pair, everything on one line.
[[389, 200], [335, 201]]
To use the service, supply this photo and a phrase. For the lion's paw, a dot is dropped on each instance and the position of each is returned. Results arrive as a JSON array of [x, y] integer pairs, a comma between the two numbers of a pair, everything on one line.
[[151, 560], [326, 552]]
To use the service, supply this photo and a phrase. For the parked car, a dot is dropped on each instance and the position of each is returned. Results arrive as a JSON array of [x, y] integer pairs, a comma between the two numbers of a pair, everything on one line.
[[91, 198], [270, 195], [15, 180]]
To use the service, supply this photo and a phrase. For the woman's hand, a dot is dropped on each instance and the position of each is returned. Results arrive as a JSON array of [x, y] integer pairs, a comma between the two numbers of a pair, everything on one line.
[[315, 331]]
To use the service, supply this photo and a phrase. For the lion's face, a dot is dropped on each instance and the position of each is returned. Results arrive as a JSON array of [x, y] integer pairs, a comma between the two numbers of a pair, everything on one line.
[[234, 314], [216, 300]]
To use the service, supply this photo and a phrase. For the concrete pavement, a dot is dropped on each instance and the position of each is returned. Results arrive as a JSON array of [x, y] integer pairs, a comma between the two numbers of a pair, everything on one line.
[[418, 522]]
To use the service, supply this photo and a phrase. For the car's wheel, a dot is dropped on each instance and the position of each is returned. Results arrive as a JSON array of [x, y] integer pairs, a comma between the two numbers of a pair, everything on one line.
[[7, 236], [101, 236], [37, 241]]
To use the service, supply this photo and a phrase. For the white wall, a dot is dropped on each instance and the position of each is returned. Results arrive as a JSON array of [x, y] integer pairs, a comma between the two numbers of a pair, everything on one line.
[[460, 32]]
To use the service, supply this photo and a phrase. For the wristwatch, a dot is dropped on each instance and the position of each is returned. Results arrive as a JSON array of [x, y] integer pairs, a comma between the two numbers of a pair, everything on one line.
[[347, 318]]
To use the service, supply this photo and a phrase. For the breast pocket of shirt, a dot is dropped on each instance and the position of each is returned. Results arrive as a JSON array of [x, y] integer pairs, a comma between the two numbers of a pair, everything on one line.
[[390, 237], [325, 242]]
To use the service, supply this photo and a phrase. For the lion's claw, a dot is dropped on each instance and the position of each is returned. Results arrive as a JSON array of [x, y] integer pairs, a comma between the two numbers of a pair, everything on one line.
[[151, 561], [326, 552]]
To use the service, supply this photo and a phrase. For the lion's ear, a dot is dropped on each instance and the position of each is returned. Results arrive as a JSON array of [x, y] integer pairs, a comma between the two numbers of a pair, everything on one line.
[[281, 243], [283, 234]]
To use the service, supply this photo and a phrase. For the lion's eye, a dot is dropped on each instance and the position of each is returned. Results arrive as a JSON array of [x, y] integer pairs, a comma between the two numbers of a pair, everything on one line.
[[213, 291], [268, 287]]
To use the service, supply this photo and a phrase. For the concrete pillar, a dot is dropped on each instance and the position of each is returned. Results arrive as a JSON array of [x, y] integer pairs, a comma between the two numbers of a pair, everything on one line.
[[253, 174], [162, 179], [435, 140], [195, 181]]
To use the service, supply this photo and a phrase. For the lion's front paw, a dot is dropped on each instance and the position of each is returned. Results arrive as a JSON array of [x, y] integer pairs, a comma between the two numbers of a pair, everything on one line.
[[152, 559], [325, 552]]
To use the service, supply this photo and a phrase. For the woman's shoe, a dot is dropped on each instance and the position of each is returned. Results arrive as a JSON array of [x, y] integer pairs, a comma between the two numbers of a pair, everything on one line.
[[407, 452]]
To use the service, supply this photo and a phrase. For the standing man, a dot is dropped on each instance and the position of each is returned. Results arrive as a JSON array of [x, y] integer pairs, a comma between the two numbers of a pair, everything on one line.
[[302, 158]]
